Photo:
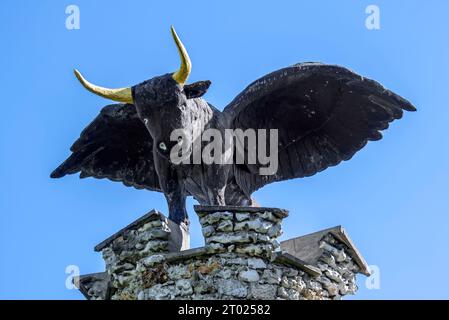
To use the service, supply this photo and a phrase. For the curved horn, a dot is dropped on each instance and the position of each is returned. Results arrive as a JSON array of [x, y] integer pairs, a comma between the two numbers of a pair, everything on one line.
[[182, 74], [119, 95]]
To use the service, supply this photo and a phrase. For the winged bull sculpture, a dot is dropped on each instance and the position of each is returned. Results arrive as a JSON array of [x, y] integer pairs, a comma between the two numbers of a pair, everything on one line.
[[323, 115]]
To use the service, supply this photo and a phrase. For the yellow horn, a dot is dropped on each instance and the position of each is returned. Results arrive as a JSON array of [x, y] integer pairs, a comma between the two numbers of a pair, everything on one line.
[[119, 95], [182, 74]]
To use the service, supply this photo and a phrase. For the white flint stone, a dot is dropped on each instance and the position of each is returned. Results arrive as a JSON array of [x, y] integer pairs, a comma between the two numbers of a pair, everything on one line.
[[249, 275], [299, 284], [120, 267], [109, 257], [155, 245], [329, 238], [263, 238], [272, 276], [140, 267], [127, 254], [291, 273], [263, 291], [294, 295], [127, 235], [332, 289], [215, 217], [150, 225], [239, 261], [225, 273], [348, 274], [343, 289], [324, 281], [152, 260], [153, 234], [328, 259], [254, 249], [183, 287], [334, 275], [269, 216], [352, 288], [339, 255], [203, 286], [291, 283], [225, 226], [275, 231], [208, 231], [283, 293], [125, 278], [256, 225], [141, 295], [230, 238], [322, 266], [160, 234], [239, 216], [314, 286], [158, 292], [231, 287], [204, 297], [214, 247], [177, 272], [256, 263]]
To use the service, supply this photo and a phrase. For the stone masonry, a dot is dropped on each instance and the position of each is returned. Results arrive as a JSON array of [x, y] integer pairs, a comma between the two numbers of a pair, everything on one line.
[[241, 259]]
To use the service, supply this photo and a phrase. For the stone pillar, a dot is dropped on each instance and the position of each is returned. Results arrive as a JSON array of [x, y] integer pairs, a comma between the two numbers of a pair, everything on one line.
[[243, 230], [136, 245]]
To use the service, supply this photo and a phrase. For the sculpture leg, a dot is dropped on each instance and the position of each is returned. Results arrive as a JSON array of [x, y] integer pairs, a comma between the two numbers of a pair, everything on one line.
[[215, 182], [177, 207], [173, 187]]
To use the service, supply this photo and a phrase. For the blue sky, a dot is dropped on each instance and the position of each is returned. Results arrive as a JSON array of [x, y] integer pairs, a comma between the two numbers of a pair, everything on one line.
[[392, 197]]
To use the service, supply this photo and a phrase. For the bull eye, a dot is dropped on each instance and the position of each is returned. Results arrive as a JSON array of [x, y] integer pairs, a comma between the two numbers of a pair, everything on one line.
[[179, 140], [162, 146]]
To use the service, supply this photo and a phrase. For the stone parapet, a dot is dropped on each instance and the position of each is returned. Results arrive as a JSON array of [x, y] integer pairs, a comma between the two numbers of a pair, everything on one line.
[[241, 259]]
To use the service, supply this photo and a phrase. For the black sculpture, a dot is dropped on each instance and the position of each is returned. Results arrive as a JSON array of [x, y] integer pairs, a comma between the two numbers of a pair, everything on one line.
[[324, 114]]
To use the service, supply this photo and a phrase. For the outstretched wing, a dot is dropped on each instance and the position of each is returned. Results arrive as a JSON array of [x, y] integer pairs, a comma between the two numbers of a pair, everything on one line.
[[324, 114], [116, 146]]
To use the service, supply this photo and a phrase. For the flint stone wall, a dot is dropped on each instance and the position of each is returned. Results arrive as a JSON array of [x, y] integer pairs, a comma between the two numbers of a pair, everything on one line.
[[241, 260]]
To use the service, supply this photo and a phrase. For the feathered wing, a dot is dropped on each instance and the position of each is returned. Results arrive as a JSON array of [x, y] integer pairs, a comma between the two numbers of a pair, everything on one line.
[[324, 115], [116, 146]]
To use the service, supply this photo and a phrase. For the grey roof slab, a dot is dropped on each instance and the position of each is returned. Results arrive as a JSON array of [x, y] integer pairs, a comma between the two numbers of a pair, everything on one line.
[[307, 247], [290, 260]]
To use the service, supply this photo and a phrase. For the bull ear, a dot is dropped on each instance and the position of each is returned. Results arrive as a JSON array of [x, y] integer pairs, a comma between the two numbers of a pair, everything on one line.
[[196, 89]]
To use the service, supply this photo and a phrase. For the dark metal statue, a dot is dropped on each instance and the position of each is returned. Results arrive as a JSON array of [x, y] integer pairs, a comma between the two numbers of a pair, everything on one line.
[[324, 114]]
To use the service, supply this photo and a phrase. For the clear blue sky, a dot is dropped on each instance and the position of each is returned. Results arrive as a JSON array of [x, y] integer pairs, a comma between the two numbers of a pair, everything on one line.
[[392, 197]]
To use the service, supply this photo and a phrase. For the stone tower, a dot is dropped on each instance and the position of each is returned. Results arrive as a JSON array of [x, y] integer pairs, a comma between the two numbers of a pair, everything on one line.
[[241, 259]]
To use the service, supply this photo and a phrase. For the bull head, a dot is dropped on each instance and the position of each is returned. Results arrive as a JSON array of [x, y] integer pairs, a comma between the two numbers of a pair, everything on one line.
[[163, 103]]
